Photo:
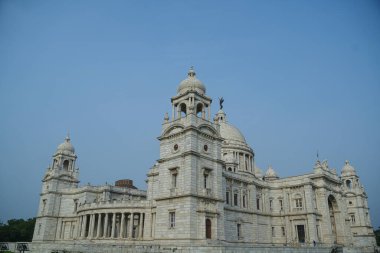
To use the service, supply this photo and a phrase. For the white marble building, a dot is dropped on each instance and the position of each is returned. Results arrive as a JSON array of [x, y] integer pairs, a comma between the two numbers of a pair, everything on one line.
[[204, 189]]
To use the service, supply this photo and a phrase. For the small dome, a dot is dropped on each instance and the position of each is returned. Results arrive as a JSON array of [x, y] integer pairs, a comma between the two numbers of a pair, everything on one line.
[[348, 170], [191, 83], [258, 172], [271, 174], [66, 147]]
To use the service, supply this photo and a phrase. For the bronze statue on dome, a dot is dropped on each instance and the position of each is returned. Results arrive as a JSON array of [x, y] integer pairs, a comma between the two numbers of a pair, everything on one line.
[[221, 100]]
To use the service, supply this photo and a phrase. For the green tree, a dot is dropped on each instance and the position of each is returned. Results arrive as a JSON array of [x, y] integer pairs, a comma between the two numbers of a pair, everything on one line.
[[17, 230], [377, 234]]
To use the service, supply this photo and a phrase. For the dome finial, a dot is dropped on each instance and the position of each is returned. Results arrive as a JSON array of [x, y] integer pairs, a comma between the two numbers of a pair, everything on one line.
[[191, 72], [67, 139]]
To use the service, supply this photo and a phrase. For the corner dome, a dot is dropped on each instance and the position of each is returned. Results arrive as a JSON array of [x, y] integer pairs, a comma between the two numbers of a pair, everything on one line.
[[66, 147], [258, 172], [271, 174], [348, 170], [191, 83]]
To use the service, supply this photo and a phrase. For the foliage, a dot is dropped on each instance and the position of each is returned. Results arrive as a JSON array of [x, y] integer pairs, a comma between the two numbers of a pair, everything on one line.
[[377, 234], [17, 230]]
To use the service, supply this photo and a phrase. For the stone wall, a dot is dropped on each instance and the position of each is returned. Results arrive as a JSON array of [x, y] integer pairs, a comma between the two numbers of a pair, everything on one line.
[[150, 248]]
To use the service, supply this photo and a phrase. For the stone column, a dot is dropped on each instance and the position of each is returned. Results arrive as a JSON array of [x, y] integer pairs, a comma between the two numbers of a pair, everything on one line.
[[105, 228], [209, 112], [84, 225], [113, 225], [312, 222], [99, 225], [130, 226], [153, 225], [91, 227], [141, 226], [79, 226], [325, 224], [244, 162], [122, 225]]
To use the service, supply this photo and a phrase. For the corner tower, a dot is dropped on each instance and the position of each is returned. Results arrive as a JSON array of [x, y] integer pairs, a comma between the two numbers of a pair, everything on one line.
[[357, 207], [60, 177], [186, 183]]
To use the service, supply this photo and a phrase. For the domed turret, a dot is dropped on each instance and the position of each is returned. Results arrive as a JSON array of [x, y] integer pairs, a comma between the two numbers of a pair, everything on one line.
[[348, 170], [191, 83], [270, 174], [66, 147]]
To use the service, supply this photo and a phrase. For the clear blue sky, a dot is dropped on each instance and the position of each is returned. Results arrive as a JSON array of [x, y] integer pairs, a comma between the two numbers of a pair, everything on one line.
[[297, 77]]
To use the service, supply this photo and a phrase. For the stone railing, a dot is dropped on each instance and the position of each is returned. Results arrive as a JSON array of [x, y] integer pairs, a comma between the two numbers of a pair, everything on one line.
[[114, 204]]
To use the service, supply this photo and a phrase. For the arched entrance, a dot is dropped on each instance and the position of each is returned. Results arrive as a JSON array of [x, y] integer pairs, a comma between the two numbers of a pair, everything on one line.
[[208, 228], [333, 207]]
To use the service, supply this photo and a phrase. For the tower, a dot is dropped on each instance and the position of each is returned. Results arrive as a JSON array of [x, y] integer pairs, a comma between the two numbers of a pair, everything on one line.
[[186, 183], [357, 207], [61, 176]]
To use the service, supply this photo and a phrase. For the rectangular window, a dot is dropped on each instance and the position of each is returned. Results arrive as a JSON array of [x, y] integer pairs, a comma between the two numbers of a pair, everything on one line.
[[235, 199], [299, 203], [281, 205], [271, 204], [273, 235], [43, 205], [171, 219], [39, 229], [352, 216], [283, 231], [244, 201], [205, 178], [174, 180], [318, 235], [75, 205], [239, 231], [227, 198], [258, 204]]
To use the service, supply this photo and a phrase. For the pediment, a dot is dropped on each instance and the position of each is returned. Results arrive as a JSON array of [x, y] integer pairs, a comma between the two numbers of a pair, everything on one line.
[[175, 129], [207, 130]]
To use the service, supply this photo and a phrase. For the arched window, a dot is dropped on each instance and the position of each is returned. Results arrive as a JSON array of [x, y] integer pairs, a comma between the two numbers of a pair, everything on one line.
[[66, 165], [348, 184], [208, 228], [199, 109], [183, 110], [333, 208]]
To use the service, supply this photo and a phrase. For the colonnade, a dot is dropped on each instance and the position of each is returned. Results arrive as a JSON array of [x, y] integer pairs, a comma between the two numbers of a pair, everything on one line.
[[111, 225], [245, 161]]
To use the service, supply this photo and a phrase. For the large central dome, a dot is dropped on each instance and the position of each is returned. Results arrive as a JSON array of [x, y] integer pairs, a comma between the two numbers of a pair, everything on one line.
[[231, 133], [191, 83], [228, 132]]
